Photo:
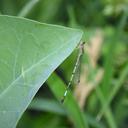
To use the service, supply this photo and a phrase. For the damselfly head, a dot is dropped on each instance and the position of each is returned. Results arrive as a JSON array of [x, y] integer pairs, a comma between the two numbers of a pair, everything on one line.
[[81, 47]]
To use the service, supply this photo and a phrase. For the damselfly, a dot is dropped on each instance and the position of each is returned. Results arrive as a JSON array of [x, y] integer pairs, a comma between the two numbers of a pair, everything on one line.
[[75, 70]]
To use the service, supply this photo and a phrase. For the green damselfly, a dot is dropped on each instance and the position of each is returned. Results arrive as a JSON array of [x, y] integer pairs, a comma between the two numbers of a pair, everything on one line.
[[75, 70]]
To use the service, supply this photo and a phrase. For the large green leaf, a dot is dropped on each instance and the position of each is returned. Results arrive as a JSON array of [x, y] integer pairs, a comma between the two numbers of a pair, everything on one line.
[[29, 52]]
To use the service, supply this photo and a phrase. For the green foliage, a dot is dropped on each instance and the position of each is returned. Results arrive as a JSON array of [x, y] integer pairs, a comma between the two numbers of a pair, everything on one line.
[[106, 105], [29, 52]]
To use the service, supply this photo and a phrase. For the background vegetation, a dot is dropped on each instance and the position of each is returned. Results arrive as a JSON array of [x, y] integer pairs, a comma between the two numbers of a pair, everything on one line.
[[101, 98]]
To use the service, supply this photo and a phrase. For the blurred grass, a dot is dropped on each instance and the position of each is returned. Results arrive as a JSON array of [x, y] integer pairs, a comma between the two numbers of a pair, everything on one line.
[[73, 110], [106, 106]]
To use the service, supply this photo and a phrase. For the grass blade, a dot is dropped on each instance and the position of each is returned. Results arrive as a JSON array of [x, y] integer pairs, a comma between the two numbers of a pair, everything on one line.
[[57, 87]]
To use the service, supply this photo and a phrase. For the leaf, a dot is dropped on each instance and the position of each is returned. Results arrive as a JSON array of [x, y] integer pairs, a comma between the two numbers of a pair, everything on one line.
[[53, 106], [115, 90], [72, 109], [29, 52], [47, 105]]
